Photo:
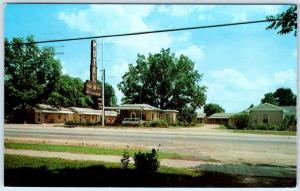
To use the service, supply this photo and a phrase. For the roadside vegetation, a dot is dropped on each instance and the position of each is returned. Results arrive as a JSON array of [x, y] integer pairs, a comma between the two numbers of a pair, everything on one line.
[[89, 150], [257, 131]]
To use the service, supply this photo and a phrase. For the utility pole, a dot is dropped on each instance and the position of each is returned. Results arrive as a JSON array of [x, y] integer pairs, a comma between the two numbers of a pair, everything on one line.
[[103, 85]]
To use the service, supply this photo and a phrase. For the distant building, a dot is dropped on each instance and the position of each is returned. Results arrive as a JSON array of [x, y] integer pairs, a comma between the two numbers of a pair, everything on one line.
[[201, 117], [145, 112], [93, 115], [43, 113], [221, 118], [267, 113]]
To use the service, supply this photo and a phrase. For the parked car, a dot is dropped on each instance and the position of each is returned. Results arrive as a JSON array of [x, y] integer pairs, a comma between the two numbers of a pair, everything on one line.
[[132, 121]]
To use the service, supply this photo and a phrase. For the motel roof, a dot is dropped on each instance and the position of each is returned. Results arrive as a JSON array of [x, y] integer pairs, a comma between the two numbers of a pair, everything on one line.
[[221, 115], [87, 111], [90, 111], [271, 107], [44, 108], [290, 109], [144, 107]]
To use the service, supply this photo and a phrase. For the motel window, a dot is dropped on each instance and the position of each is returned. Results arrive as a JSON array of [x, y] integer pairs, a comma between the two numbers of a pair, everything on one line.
[[265, 118], [58, 116]]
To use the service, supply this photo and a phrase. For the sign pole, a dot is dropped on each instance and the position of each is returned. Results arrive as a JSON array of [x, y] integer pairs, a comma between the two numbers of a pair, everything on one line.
[[103, 84]]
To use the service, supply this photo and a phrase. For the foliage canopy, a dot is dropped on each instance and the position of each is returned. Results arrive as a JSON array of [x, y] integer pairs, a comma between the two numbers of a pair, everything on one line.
[[286, 22], [212, 108], [164, 81], [30, 73]]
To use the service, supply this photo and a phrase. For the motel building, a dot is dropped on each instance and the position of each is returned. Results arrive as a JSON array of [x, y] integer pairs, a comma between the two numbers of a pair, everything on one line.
[[43, 113], [144, 112]]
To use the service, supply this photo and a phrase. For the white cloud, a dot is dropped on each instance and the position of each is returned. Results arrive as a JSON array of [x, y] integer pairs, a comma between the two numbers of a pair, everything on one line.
[[295, 53], [107, 18], [237, 90], [186, 10], [242, 12], [194, 52], [183, 37], [286, 77], [237, 79], [118, 70], [115, 76], [115, 19]]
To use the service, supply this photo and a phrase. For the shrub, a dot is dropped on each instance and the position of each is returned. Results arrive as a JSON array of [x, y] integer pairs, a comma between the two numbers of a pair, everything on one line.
[[288, 121], [146, 163], [156, 123], [125, 160], [241, 121], [82, 123], [262, 126]]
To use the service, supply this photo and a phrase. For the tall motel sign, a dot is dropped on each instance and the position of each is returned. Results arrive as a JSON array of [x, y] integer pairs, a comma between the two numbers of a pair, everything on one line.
[[90, 86]]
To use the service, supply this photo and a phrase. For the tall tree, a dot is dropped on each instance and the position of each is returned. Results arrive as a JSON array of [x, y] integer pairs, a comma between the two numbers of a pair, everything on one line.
[[30, 73], [164, 81], [212, 108], [285, 96], [281, 96], [68, 92], [110, 98], [286, 22], [269, 98]]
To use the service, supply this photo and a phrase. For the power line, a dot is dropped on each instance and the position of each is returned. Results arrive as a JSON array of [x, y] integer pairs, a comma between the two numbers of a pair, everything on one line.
[[146, 32]]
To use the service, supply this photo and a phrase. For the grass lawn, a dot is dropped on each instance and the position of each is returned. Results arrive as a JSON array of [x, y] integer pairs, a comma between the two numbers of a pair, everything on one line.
[[255, 131], [37, 171], [269, 132], [88, 150]]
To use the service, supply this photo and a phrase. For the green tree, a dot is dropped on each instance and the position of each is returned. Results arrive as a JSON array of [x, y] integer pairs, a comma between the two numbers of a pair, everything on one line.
[[110, 98], [281, 96], [68, 92], [286, 22], [164, 81], [251, 106], [212, 108], [285, 96], [269, 98], [30, 73]]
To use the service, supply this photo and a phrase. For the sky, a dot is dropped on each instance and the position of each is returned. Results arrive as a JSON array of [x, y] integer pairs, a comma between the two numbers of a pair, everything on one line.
[[239, 63]]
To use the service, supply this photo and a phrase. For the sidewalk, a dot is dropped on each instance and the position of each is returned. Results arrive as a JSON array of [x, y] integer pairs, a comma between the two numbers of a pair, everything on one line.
[[241, 169]]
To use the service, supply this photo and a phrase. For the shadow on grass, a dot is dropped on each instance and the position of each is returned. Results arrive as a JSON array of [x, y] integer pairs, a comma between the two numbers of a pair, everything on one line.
[[100, 176]]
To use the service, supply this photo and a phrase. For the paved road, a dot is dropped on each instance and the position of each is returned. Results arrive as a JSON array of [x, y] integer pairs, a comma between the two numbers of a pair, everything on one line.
[[205, 143]]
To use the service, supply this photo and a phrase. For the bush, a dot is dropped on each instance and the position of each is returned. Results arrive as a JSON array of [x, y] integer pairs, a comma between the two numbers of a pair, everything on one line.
[[288, 121], [125, 159], [156, 123], [146, 163], [241, 121], [82, 123], [265, 127], [185, 123]]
